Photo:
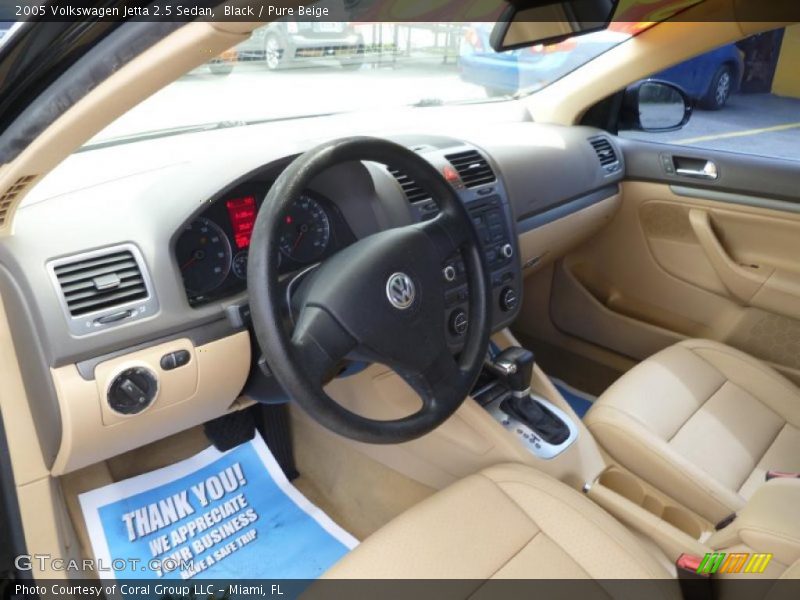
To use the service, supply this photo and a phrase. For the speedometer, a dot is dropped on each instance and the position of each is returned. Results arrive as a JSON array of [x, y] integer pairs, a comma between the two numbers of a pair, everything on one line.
[[305, 230], [204, 255]]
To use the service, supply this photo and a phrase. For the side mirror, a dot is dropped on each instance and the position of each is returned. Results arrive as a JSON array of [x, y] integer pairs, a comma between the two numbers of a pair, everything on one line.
[[654, 106]]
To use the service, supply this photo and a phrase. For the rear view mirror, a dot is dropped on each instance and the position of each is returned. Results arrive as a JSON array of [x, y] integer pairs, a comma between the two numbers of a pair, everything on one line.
[[654, 106], [528, 23]]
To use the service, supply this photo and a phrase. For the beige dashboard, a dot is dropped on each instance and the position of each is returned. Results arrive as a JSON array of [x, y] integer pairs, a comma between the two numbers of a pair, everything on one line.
[[201, 390]]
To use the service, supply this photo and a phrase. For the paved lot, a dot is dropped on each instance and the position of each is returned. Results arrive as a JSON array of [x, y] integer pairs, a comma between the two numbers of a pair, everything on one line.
[[252, 92], [758, 123]]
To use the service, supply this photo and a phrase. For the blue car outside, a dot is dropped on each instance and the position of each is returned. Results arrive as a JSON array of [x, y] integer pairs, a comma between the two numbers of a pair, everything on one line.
[[709, 79]]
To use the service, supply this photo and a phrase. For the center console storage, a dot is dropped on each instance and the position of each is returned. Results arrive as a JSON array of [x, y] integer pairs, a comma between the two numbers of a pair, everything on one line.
[[674, 529]]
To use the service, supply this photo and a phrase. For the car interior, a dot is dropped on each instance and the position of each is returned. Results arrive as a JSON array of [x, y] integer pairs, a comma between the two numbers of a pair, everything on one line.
[[404, 352]]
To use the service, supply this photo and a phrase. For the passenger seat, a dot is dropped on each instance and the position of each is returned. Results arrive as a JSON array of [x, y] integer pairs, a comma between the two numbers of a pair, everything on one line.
[[703, 422]]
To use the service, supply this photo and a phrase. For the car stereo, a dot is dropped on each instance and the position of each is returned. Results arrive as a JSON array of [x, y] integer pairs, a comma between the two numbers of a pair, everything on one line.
[[491, 216]]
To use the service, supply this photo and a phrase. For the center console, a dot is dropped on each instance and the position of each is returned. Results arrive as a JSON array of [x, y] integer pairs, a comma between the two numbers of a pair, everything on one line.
[[504, 391], [491, 223], [484, 196], [768, 524]]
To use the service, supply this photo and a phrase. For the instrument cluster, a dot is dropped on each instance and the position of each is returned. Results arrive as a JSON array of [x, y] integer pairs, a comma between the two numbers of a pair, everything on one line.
[[212, 248]]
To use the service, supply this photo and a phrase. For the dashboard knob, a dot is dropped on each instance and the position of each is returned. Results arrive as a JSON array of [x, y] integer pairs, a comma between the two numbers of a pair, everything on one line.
[[132, 391], [508, 299], [449, 273], [507, 250], [458, 322]]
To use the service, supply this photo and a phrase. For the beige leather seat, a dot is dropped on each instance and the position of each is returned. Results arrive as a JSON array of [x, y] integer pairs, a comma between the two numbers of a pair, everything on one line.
[[508, 521], [703, 422]]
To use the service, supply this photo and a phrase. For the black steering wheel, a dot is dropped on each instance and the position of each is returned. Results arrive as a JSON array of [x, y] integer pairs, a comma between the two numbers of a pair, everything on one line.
[[382, 299]]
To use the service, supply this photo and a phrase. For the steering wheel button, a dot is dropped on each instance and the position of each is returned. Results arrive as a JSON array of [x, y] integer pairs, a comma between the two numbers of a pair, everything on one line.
[[449, 273], [458, 322]]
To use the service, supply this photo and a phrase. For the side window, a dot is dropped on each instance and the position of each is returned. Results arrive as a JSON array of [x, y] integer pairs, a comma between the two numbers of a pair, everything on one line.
[[746, 97]]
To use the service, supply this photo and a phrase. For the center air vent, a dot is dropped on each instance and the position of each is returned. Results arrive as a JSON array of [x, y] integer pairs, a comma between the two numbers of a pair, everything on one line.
[[606, 154], [111, 285], [472, 168], [414, 193]]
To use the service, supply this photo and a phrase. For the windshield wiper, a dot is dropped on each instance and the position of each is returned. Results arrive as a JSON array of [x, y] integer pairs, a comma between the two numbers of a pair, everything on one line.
[[428, 102], [158, 133], [184, 129]]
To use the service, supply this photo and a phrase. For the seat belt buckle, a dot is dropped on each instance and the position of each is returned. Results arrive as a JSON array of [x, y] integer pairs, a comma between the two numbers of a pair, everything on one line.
[[688, 566], [781, 475], [695, 584]]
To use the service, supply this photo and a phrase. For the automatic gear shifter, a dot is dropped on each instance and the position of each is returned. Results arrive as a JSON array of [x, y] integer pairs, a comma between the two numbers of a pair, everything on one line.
[[514, 366]]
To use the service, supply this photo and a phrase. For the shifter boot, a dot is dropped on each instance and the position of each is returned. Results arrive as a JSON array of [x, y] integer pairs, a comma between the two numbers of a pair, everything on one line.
[[547, 425]]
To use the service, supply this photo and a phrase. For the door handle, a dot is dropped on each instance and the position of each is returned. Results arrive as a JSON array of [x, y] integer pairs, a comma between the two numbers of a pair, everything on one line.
[[706, 171]]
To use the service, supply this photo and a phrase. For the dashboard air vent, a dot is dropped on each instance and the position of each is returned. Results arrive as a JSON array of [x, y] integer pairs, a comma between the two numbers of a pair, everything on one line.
[[472, 168], [606, 154], [414, 193], [11, 195], [100, 281]]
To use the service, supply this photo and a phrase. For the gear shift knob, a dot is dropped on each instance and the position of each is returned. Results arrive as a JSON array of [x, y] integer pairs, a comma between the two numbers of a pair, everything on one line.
[[514, 366]]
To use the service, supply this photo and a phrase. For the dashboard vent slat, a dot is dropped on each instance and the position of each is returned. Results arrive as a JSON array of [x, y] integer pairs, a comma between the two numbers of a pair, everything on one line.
[[90, 290], [414, 193], [101, 282], [606, 154], [473, 168], [12, 194], [89, 274]]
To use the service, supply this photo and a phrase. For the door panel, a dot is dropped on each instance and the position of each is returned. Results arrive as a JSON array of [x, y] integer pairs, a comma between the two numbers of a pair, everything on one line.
[[690, 260]]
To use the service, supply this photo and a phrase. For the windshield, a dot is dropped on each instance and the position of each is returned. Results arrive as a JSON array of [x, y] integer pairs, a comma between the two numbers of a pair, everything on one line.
[[7, 29], [295, 69]]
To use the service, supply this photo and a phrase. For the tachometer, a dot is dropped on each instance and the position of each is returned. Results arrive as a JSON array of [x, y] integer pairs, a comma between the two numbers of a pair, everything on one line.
[[204, 255], [239, 265], [305, 230]]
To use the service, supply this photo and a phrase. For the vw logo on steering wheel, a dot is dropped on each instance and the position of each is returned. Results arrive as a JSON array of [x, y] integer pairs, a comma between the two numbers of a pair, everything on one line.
[[400, 291]]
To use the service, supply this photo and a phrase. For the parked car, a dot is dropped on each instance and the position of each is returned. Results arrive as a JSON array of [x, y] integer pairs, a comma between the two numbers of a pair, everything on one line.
[[224, 63], [709, 79], [507, 72], [281, 44]]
